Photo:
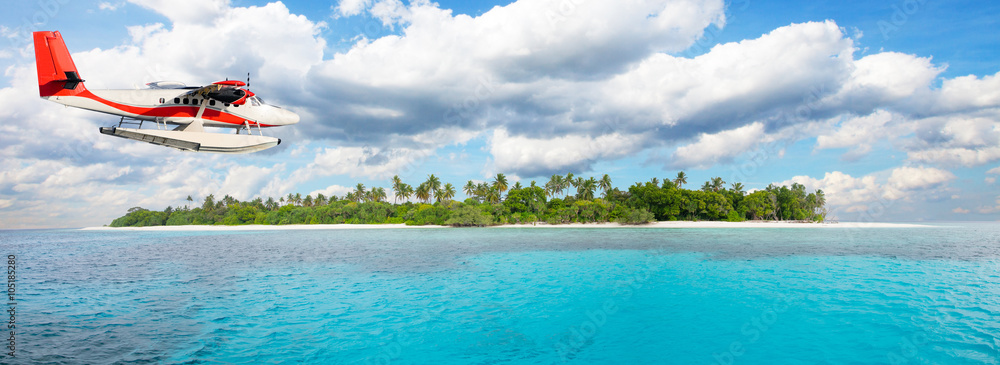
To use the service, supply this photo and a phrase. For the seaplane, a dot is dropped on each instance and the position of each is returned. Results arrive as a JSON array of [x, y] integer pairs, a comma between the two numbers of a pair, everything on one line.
[[175, 114]]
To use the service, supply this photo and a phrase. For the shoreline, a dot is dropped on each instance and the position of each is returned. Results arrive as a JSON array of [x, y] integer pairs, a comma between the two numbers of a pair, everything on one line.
[[656, 225]]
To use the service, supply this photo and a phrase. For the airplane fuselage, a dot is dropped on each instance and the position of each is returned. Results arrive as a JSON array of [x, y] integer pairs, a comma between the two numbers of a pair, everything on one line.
[[178, 106]]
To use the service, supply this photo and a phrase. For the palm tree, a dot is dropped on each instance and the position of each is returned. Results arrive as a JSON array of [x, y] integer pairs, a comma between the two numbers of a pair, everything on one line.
[[605, 184], [482, 189], [470, 189], [189, 201], [738, 188], [308, 201], [500, 183], [298, 199], [408, 191], [271, 204], [448, 192], [820, 202], [585, 188], [379, 194], [718, 184], [400, 191], [290, 199], [517, 186], [321, 199], [655, 181], [433, 184], [555, 185], [359, 192], [681, 179], [351, 197], [492, 195], [397, 185], [707, 187], [565, 184], [423, 193]]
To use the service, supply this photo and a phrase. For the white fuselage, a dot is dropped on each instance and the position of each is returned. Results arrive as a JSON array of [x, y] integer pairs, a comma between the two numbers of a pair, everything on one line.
[[179, 106]]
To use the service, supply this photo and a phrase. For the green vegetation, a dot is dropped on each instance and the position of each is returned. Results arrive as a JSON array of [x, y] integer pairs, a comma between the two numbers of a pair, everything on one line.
[[497, 202]]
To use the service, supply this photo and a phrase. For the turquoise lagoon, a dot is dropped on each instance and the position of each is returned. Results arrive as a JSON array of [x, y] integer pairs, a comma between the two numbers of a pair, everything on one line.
[[509, 296]]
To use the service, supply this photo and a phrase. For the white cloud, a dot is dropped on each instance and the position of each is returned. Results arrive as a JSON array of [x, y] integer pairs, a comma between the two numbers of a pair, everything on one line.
[[333, 190], [960, 210], [246, 182], [352, 7], [842, 190], [709, 150], [568, 153], [891, 76], [104, 5], [991, 210], [374, 163], [853, 194], [861, 133], [968, 93], [957, 156], [911, 178], [994, 171]]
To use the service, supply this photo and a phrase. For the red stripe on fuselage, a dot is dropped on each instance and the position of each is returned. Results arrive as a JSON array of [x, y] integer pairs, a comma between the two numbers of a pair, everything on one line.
[[177, 111]]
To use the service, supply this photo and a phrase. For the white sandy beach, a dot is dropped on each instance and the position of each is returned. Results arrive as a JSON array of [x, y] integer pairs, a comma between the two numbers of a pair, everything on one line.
[[679, 224]]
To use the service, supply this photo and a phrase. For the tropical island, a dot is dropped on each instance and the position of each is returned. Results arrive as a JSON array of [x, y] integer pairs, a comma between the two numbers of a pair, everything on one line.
[[496, 203]]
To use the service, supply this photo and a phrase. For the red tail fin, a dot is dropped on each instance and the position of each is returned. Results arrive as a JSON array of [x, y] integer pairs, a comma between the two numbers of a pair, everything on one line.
[[57, 75]]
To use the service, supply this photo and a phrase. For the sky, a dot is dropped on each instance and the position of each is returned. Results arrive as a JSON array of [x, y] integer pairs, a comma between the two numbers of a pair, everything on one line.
[[890, 107]]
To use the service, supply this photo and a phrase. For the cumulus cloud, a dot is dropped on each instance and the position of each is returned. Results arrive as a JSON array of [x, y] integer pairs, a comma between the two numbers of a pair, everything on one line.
[[910, 178], [533, 157], [987, 209], [860, 133], [711, 149], [854, 194], [246, 182], [332, 190]]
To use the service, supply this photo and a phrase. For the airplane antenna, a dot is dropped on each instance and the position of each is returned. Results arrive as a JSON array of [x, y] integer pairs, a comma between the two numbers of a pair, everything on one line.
[[248, 80]]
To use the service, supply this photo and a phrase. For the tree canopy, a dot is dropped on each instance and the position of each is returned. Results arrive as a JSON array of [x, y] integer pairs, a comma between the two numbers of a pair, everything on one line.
[[487, 204]]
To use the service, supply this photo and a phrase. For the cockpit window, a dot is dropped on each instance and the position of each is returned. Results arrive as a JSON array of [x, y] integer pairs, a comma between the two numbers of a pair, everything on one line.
[[256, 101]]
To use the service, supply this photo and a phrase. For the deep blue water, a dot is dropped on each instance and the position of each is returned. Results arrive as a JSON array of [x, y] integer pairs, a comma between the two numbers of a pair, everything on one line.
[[510, 296]]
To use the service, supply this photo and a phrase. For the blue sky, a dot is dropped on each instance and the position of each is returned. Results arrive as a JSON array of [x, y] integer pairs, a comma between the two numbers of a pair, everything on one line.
[[890, 107]]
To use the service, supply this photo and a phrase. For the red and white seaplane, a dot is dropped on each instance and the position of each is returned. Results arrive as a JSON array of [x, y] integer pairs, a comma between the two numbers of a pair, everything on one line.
[[226, 104]]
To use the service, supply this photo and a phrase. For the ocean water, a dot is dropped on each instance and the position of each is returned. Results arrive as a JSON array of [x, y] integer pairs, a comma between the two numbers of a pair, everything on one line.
[[509, 296]]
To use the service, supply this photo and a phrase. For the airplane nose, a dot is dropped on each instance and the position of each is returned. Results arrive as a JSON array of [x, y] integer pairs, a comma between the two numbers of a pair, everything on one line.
[[289, 117]]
